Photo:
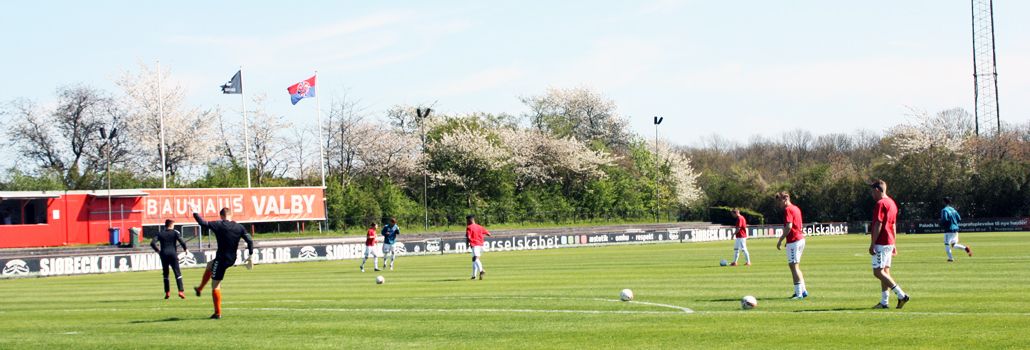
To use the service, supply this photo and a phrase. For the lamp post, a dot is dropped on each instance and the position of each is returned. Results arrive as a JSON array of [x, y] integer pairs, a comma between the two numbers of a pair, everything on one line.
[[657, 169], [422, 115], [107, 148]]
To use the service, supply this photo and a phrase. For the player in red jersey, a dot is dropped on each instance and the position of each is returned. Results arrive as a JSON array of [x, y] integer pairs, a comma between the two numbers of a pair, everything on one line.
[[792, 232], [881, 245], [740, 244], [370, 247], [474, 237]]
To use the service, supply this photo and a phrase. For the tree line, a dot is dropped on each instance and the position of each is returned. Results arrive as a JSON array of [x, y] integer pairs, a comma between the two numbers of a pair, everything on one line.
[[569, 156]]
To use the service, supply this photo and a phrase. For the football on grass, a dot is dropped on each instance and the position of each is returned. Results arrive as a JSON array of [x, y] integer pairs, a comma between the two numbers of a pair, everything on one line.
[[380, 280], [626, 295], [723, 262], [748, 302]]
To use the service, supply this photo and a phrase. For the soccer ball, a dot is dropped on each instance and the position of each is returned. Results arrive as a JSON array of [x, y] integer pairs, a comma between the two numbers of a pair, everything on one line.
[[723, 262], [380, 280], [626, 295], [748, 302]]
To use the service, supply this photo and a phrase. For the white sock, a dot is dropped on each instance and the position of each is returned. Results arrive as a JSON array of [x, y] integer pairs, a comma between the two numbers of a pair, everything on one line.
[[363, 262], [747, 256], [959, 246], [480, 262], [885, 297], [475, 269], [803, 289], [947, 248], [897, 291], [375, 262], [736, 254], [797, 289]]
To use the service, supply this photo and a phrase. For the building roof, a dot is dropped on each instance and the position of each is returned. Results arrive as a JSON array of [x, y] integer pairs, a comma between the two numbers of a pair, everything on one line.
[[29, 194]]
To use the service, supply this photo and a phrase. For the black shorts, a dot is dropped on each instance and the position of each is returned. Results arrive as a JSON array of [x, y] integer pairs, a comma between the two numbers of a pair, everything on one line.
[[219, 266]]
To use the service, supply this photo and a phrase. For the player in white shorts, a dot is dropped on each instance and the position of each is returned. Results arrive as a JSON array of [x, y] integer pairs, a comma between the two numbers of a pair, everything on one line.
[[370, 248], [881, 245], [474, 236], [793, 233], [950, 220], [740, 243]]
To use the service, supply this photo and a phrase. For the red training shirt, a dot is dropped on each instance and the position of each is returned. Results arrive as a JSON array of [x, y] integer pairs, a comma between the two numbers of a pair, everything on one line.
[[886, 211], [741, 226], [794, 217], [371, 239], [474, 233]]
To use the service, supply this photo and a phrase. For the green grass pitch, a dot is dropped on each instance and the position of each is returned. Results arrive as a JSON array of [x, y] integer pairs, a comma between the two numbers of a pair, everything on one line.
[[560, 298]]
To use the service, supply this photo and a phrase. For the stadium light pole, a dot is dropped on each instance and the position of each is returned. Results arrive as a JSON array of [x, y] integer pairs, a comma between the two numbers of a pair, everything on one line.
[[657, 168]]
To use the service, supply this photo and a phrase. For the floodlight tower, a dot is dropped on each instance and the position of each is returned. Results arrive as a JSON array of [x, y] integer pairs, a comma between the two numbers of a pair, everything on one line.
[[985, 73]]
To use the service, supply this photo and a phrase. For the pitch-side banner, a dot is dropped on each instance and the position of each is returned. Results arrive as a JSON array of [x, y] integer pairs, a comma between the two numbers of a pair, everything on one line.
[[268, 204], [146, 261]]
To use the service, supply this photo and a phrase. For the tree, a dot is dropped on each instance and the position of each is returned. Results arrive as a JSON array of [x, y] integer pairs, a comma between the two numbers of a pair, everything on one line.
[[580, 113], [188, 130], [66, 140]]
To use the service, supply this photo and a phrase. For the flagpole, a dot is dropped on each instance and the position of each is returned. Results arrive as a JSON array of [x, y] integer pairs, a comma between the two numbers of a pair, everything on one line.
[[321, 148], [246, 132], [161, 121]]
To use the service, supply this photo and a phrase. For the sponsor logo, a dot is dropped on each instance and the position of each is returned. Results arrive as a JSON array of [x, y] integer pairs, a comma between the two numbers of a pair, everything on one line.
[[399, 249], [308, 252], [187, 259], [433, 246], [16, 267]]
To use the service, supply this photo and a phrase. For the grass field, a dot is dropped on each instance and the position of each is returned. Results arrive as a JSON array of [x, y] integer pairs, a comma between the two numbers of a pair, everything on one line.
[[561, 298]]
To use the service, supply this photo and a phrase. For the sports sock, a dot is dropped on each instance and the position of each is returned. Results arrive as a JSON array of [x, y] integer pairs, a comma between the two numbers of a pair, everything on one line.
[[203, 280], [480, 262], [375, 262], [797, 289], [897, 291], [363, 262], [736, 254], [959, 246], [947, 248], [885, 297], [166, 284], [216, 296], [747, 256], [475, 269]]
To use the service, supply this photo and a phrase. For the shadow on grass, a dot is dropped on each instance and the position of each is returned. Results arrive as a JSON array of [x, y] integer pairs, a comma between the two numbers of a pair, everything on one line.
[[450, 280], [835, 309], [170, 319]]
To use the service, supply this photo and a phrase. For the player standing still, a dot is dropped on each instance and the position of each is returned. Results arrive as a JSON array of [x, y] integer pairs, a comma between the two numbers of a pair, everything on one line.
[[950, 220], [792, 232], [740, 244], [227, 234], [390, 232], [169, 257], [474, 237], [881, 247], [370, 248]]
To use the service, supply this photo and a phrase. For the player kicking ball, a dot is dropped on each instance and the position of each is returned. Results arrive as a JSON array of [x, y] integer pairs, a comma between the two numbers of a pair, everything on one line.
[[740, 243], [474, 237], [370, 248], [950, 220], [792, 232], [228, 234], [881, 247]]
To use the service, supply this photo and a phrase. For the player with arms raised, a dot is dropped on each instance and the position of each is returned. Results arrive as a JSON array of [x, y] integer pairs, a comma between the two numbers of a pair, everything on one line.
[[228, 234], [474, 237], [792, 232], [881, 246]]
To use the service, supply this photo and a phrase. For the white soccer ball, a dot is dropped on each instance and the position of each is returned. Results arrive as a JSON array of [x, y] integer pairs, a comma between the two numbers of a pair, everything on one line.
[[380, 280], [723, 262], [748, 302], [626, 295]]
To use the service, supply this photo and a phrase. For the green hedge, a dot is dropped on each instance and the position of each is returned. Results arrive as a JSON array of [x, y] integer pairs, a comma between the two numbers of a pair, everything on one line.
[[724, 216]]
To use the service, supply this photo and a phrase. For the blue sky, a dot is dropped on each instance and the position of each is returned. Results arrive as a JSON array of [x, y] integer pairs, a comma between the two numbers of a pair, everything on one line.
[[732, 68]]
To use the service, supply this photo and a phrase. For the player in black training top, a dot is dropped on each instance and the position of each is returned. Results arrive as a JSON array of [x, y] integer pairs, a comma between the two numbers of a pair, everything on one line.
[[228, 234], [169, 258]]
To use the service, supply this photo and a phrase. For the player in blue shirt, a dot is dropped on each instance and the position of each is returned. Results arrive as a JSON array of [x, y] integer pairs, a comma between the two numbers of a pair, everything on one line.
[[390, 232], [950, 220]]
